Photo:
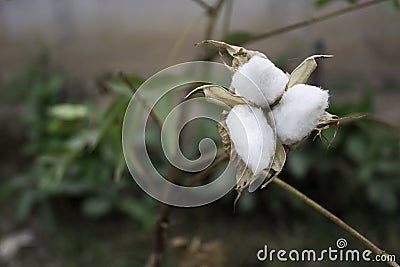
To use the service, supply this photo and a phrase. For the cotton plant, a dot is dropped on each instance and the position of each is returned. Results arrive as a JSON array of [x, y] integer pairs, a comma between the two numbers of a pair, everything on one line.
[[271, 113]]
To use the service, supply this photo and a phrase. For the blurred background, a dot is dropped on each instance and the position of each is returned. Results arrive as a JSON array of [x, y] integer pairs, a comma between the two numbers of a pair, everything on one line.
[[66, 196]]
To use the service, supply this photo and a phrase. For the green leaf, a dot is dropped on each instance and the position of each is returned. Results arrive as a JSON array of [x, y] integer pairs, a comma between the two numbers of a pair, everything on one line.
[[69, 111], [393, 5], [321, 3], [114, 110], [120, 167], [118, 86]]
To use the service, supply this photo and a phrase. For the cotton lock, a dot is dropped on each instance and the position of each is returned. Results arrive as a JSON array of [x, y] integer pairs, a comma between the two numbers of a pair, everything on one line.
[[252, 136], [259, 81], [299, 112]]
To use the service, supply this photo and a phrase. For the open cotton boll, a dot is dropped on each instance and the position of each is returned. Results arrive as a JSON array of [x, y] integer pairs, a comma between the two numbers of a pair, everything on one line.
[[298, 112], [253, 138], [259, 81]]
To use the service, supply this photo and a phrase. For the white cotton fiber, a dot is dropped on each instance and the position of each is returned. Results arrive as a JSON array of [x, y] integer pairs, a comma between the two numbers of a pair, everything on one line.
[[298, 112], [252, 137], [259, 73]]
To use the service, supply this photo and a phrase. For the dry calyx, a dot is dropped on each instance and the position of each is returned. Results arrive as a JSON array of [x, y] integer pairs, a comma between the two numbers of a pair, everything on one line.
[[271, 112]]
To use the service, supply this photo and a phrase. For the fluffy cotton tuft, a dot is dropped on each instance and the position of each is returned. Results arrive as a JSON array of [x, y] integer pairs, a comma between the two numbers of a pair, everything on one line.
[[253, 138], [263, 74], [298, 112]]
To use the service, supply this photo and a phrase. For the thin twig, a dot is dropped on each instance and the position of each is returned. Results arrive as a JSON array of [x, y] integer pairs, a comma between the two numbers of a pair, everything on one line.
[[206, 172], [155, 257], [382, 121], [310, 21], [126, 80], [165, 210], [204, 5], [181, 39], [300, 24], [212, 19], [227, 17], [333, 218], [162, 224]]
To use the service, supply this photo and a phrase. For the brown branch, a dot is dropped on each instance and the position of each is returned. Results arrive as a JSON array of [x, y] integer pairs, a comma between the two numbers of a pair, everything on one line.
[[300, 24], [310, 21], [227, 17], [206, 172], [126, 80], [382, 121], [155, 257], [212, 18], [162, 224], [204, 5], [165, 210], [333, 218]]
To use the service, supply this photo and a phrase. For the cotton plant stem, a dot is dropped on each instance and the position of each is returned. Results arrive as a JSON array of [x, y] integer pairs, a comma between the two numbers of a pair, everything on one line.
[[155, 257], [146, 105], [206, 172], [333, 218], [182, 38], [310, 21], [203, 4], [162, 222], [382, 121], [227, 17], [301, 24], [212, 18]]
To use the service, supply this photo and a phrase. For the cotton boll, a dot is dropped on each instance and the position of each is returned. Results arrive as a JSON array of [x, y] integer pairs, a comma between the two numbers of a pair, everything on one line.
[[298, 112], [252, 137], [259, 81]]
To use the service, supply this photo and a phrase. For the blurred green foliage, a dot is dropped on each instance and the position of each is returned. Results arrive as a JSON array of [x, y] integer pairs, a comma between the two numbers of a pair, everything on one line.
[[74, 150]]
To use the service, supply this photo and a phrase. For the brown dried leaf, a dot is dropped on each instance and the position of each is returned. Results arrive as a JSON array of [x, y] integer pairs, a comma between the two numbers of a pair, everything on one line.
[[328, 120], [277, 164], [240, 55], [304, 70], [219, 95], [223, 133]]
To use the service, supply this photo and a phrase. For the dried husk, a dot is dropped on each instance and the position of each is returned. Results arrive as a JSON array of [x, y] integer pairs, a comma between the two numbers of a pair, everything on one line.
[[219, 95], [239, 54], [302, 72]]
